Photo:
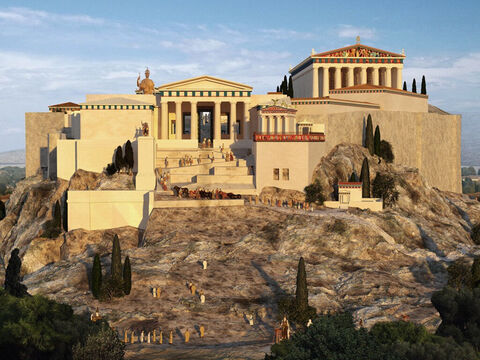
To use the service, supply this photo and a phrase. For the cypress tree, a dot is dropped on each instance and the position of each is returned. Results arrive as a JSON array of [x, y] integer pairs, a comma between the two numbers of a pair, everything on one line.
[[119, 158], [13, 279], [290, 87], [369, 135], [365, 179], [278, 88], [96, 276], [127, 276], [285, 87], [57, 216], [128, 158], [116, 266], [423, 89], [301, 294], [353, 177], [376, 141], [414, 86], [405, 86]]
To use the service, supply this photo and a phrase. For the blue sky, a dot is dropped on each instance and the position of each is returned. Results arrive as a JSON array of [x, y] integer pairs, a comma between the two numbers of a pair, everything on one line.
[[57, 51]]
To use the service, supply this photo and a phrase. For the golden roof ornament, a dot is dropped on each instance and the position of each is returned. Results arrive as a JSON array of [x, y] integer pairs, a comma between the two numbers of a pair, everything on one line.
[[358, 39], [313, 51], [146, 86]]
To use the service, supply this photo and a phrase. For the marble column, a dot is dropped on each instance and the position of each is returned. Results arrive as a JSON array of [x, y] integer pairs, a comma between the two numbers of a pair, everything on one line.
[[315, 82], [164, 120], [375, 76], [338, 78], [246, 121], [363, 75], [399, 78], [194, 120], [233, 118], [325, 81], [388, 77], [178, 120], [216, 122], [350, 76]]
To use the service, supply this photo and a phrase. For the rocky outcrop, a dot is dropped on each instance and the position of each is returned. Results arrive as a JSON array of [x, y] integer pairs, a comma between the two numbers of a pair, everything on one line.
[[87, 180]]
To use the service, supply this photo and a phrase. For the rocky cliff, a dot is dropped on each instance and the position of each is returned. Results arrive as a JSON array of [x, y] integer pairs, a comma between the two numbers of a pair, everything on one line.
[[382, 266]]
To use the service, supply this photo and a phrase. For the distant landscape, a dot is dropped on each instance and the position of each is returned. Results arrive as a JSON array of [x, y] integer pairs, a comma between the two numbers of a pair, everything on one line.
[[471, 139]]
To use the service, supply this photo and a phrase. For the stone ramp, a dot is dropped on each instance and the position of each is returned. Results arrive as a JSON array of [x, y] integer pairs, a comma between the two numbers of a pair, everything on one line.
[[195, 203]]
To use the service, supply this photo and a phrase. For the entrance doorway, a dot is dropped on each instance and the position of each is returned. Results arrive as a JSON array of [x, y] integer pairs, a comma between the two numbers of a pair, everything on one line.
[[205, 125]]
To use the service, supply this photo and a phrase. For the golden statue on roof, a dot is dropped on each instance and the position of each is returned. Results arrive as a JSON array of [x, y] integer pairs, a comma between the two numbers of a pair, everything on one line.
[[146, 86]]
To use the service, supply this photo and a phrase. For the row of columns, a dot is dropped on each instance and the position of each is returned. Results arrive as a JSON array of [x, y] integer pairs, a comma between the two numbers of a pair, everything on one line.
[[376, 77], [273, 124], [194, 119]]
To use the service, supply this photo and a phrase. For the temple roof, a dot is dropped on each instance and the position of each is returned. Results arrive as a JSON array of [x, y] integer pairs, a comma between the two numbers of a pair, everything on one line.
[[115, 101], [204, 83], [278, 109], [358, 50], [68, 105]]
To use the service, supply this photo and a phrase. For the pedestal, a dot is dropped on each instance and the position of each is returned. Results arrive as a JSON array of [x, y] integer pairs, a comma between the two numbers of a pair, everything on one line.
[[145, 179]]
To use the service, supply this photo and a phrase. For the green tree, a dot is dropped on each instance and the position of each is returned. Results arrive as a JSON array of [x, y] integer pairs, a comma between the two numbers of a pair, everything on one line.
[[278, 89], [369, 135], [314, 193], [405, 86], [383, 186], [353, 177], [386, 151], [104, 345], [13, 279], [127, 276], [476, 272], [301, 293], [376, 141], [414, 86], [423, 89], [128, 159], [365, 179], [116, 265], [459, 274], [467, 171], [290, 87], [119, 158], [96, 277]]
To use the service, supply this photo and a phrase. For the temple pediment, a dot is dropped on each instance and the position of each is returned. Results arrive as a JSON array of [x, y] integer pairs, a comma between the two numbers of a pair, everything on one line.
[[358, 50], [204, 83]]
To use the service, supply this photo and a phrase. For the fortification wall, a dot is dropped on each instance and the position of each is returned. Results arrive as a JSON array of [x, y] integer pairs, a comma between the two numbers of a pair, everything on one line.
[[427, 141], [37, 127]]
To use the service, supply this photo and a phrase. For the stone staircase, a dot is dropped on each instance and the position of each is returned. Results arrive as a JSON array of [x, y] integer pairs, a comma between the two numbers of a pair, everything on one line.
[[229, 176]]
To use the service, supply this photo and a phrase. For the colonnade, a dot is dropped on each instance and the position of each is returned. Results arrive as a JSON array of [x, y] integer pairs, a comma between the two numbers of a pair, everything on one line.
[[340, 76], [194, 109], [277, 124]]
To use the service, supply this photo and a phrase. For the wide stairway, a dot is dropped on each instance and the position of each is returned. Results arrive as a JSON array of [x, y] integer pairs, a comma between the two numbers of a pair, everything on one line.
[[209, 171]]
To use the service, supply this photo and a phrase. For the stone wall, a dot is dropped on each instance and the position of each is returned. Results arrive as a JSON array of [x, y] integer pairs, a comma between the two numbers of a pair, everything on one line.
[[427, 141], [37, 127]]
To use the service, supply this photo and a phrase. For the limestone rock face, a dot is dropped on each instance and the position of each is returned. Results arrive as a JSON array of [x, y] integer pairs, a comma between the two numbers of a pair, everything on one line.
[[381, 266], [87, 180]]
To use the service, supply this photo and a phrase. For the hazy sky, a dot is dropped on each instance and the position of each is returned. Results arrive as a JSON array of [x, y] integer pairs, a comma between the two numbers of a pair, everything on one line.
[[57, 51]]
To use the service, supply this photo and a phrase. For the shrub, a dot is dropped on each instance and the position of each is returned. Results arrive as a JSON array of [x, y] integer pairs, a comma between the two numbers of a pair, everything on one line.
[[127, 276], [338, 226], [459, 275], [3, 211], [384, 187], [386, 151], [475, 234], [314, 194], [96, 277], [128, 159], [353, 177], [53, 228], [104, 345], [111, 169], [475, 270], [119, 159]]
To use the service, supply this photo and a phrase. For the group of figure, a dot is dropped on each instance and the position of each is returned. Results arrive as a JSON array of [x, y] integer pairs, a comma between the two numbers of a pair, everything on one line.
[[151, 336], [206, 143], [164, 179], [156, 292], [229, 156], [198, 194], [186, 161], [194, 292]]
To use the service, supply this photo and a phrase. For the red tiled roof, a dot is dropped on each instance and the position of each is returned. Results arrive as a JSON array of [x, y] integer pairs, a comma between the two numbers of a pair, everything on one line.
[[279, 109], [65, 105], [349, 183]]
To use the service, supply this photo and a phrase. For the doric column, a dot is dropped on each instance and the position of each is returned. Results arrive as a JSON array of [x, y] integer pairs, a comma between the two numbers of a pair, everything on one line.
[[246, 120], [315, 82], [271, 124], [350, 76], [325, 84], [178, 120], [233, 118], [338, 78], [399, 78], [164, 120], [388, 77], [285, 122], [375, 76], [155, 122], [363, 75], [194, 120], [216, 122]]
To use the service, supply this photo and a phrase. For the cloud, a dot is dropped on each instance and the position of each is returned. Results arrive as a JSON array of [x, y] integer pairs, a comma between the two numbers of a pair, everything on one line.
[[31, 17], [10, 131], [286, 34], [350, 31]]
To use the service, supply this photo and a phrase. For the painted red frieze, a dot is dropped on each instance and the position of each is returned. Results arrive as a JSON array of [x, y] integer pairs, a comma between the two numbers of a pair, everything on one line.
[[320, 137]]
